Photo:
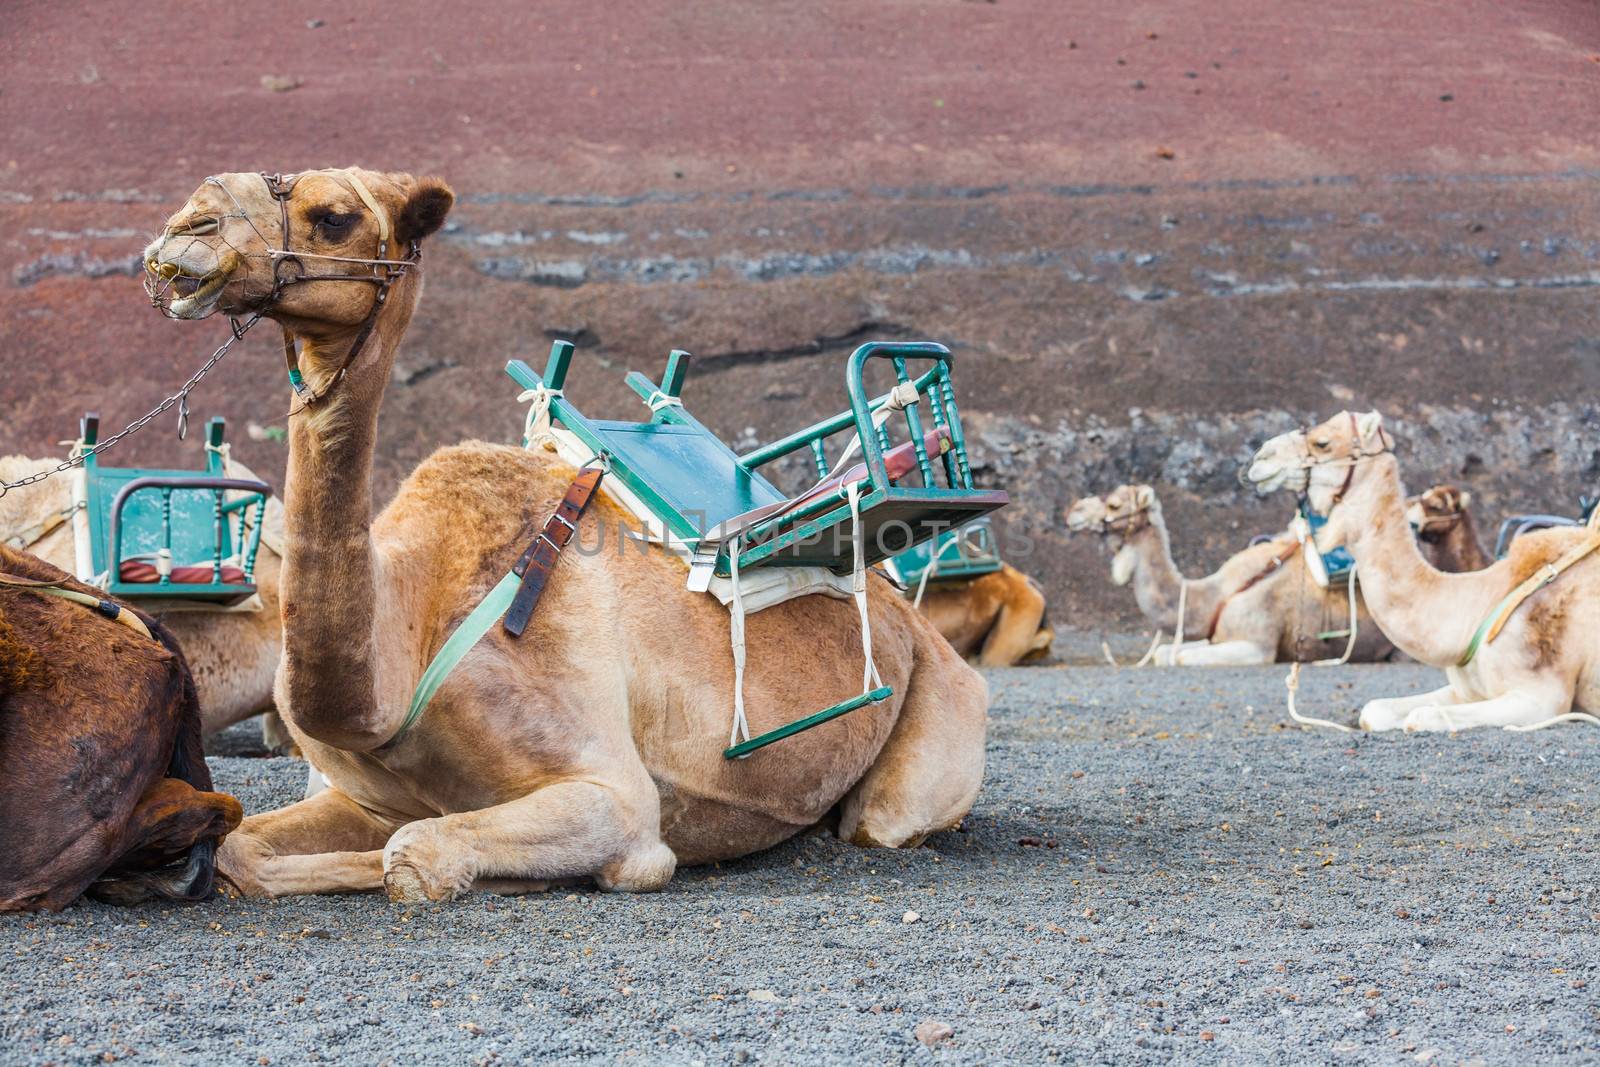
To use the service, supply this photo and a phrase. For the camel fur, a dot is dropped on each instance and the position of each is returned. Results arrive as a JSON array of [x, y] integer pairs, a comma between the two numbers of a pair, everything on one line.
[[994, 620], [1542, 665], [588, 748], [1260, 606], [103, 785], [233, 655]]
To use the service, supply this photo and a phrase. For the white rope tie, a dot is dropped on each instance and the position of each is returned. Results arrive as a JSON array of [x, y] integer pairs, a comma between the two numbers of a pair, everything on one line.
[[1292, 683], [922, 583], [658, 400], [869, 672], [1571, 716], [1177, 634], [537, 424], [741, 726]]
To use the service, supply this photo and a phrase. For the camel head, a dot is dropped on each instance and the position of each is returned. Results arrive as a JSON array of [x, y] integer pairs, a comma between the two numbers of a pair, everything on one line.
[[1436, 512], [1321, 464], [1117, 517], [237, 248]]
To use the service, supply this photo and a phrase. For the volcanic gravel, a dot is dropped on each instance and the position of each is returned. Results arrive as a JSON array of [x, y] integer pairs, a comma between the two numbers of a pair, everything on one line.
[[1158, 869]]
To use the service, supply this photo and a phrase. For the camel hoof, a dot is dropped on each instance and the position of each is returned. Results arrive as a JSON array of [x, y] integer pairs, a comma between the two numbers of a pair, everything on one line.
[[405, 885], [1428, 720], [645, 871]]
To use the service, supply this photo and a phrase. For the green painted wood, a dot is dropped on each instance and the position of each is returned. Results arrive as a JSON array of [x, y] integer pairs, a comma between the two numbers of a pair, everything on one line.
[[744, 748]]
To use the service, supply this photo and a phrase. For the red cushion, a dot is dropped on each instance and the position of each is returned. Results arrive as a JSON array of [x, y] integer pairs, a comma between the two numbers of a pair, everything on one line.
[[139, 570], [899, 461]]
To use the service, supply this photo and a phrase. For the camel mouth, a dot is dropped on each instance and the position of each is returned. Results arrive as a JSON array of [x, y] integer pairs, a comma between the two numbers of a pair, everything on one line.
[[189, 295]]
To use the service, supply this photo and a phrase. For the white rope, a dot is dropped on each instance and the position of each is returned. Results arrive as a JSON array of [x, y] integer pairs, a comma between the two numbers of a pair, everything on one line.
[[1177, 634], [1292, 683], [537, 424], [658, 400], [1571, 716], [1350, 645], [922, 583], [741, 726], [1150, 653], [869, 671]]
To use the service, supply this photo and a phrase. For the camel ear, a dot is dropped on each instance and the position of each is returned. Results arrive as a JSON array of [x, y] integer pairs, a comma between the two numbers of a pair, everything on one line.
[[1463, 499], [1144, 496], [427, 204], [1369, 424]]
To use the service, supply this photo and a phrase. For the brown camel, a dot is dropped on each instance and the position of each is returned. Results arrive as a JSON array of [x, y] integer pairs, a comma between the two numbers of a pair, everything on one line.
[[1443, 524], [103, 784], [233, 655], [1261, 606], [590, 747], [997, 619], [1544, 662]]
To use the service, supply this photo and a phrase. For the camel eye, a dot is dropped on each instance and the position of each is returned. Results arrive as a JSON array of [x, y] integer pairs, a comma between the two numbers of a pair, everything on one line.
[[1321, 442], [333, 222]]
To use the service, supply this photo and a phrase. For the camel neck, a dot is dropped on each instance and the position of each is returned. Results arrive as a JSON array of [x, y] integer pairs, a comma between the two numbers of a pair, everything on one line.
[[1429, 615], [1158, 584], [329, 580]]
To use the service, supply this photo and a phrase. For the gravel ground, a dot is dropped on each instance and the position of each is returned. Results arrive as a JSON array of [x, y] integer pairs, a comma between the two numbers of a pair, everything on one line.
[[1157, 869]]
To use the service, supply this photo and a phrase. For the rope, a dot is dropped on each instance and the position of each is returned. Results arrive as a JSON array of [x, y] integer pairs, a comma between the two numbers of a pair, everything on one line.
[[741, 726], [537, 423], [922, 583], [1571, 716], [658, 400], [1177, 634], [1292, 683], [869, 671]]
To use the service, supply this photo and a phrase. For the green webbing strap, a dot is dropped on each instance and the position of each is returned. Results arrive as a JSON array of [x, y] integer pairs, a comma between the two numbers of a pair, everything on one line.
[[473, 627], [1483, 629]]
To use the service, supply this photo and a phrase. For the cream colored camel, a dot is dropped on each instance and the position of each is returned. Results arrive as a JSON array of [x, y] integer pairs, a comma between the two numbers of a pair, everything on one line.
[[1260, 606], [591, 747], [233, 655], [1543, 663], [1443, 523], [997, 619]]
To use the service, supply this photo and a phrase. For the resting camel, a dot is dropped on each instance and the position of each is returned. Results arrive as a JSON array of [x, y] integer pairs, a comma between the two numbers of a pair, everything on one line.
[[591, 746], [1260, 606], [233, 654], [1443, 524], [1541, 665], [103, 784], [997, 619]]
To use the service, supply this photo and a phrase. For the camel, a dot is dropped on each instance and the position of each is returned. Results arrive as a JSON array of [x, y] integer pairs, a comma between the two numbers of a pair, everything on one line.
[[233, 655], [996, 620], [590, 747], [1541, 665], [1260, 606], [1443, 524], [103, 784]]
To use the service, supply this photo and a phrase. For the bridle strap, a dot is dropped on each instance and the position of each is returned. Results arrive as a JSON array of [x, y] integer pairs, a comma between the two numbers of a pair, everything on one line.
[[282, 188]]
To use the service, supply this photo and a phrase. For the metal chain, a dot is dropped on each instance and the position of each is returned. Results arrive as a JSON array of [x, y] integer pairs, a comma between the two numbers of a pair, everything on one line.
[[181, 398]]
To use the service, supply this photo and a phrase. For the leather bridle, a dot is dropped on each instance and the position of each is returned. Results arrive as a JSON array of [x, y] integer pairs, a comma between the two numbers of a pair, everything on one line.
[[1308, 461], [385, 272]]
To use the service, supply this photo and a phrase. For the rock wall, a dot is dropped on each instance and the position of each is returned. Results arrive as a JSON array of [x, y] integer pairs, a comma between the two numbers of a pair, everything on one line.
[[1153, 239]]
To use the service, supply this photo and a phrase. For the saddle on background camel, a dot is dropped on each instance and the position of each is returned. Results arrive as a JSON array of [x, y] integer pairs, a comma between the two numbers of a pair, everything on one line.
[[167, 538], [745, 540]]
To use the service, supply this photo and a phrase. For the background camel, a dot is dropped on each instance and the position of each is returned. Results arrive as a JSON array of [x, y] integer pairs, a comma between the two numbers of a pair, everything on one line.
[[1444, 525], [233, 654], [997, 619], [1543, 664], [1260, 606], [591, 746], [103, 784]]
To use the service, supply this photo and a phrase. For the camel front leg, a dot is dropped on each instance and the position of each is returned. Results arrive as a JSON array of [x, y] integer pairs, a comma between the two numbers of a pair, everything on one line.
[[572, 829], [1519, 707], [324, 844], [1389, 713], [1224, 654]]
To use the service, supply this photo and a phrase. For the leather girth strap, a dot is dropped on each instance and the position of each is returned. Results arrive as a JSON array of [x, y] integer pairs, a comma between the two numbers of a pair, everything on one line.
[[511, 601], [539, 560], [1284, 556]]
